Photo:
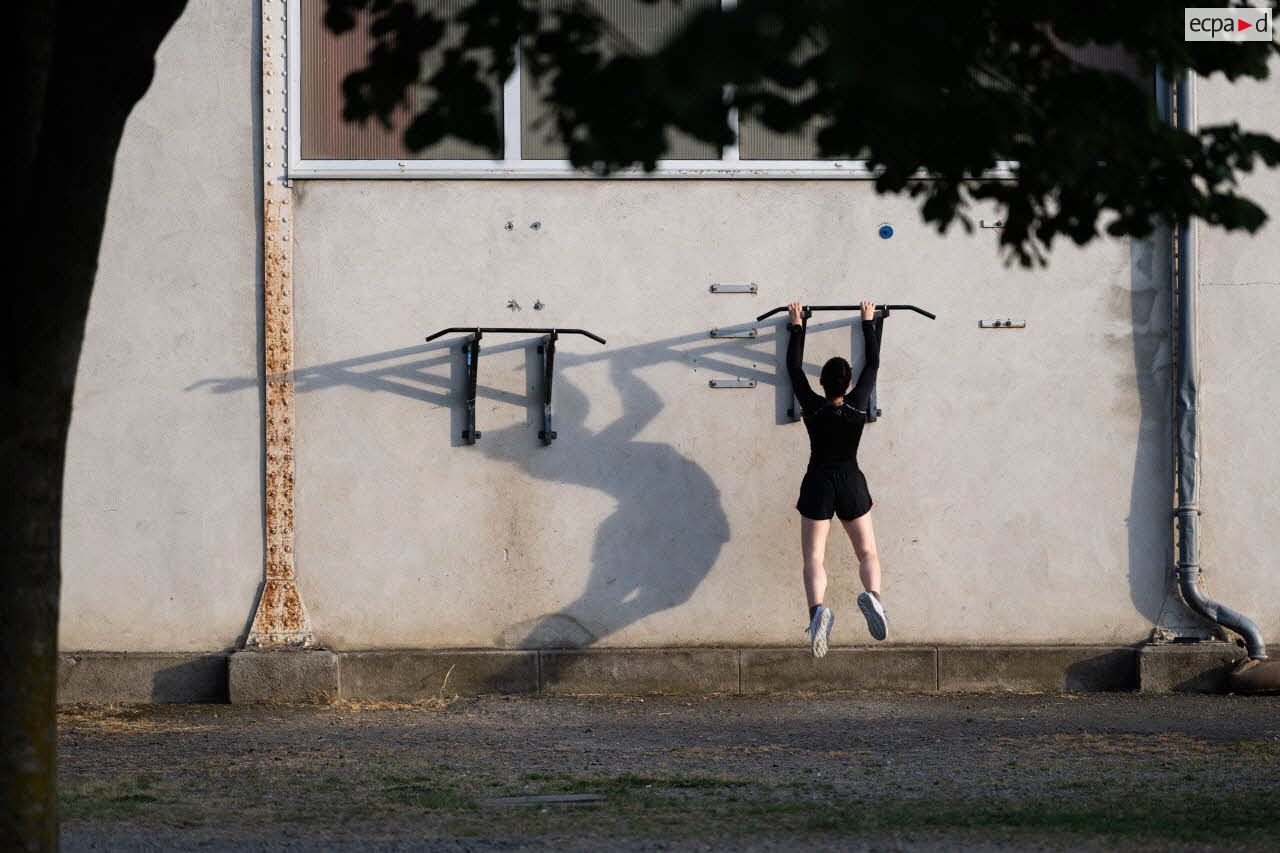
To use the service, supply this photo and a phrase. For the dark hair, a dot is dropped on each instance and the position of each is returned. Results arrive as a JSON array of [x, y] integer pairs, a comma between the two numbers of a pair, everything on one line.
[[836, 374]]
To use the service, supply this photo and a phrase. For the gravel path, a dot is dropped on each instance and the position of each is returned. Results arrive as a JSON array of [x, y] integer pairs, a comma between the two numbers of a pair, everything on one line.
[[778, 773]]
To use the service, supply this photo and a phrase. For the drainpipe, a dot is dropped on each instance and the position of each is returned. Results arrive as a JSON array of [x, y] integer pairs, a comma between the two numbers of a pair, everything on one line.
[[1188, 452]]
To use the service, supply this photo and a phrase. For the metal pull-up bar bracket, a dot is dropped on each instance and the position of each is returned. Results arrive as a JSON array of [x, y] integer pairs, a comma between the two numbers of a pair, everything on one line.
[[881, 311], [546, 348]]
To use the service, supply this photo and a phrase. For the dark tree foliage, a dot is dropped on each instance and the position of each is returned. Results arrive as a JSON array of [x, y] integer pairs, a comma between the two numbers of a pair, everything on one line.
[[946, 89]]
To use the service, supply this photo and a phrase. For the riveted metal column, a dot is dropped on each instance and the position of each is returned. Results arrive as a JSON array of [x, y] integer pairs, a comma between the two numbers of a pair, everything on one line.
[[281, 620]]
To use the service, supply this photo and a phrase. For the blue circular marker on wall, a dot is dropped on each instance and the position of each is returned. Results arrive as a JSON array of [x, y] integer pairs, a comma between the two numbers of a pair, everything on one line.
[[886, 231]]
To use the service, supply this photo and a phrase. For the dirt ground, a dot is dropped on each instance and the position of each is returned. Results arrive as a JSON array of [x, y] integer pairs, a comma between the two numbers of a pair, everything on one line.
[[779, 773]]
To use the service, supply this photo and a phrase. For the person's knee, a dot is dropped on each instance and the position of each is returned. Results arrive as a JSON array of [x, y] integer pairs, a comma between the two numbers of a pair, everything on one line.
[[865, 554]]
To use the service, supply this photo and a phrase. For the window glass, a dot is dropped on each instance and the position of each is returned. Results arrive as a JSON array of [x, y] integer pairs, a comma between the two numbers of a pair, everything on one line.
[[632, 26], [328, 58]]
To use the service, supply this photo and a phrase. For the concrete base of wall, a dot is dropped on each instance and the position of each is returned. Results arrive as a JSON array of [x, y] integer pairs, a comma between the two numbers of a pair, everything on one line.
[[306, 676], [910, 670], [1037, 669], [639, 671], [1187, 668], [129, 678], [282, 676], [403, 676]]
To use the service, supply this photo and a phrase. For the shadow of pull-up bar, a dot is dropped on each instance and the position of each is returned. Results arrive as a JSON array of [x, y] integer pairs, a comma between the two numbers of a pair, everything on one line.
[[546, 348]]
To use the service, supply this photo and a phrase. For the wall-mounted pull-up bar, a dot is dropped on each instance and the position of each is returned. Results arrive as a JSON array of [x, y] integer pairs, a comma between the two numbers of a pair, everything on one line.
[[881, 312], [546, 348]]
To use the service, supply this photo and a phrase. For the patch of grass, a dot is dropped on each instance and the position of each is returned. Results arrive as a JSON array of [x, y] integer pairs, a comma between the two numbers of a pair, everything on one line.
[[627, 783], [1155, 817], [423, 793], [1269, 748], [138, 798], [113, 800]]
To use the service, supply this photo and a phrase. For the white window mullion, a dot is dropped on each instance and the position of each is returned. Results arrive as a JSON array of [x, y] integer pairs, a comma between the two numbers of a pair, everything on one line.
[[730, 153], [511, 115]]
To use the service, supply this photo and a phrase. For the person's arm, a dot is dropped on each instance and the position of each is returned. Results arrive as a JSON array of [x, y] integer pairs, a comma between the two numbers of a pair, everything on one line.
[[860, 396], [809, 401]]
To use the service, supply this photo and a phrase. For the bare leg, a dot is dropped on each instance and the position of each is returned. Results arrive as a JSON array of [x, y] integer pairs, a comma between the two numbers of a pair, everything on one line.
[[813, 543], [863, 537]]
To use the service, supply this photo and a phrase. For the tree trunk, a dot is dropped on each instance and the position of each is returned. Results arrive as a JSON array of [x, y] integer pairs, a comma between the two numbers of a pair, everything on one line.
[[90, 63]]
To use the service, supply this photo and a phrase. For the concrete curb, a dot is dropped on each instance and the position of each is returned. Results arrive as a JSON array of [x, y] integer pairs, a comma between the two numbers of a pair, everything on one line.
[[282, 676], [403, 676], [639, 671], [892, 668], [1048, 669], [1189, 668], [142, 677]]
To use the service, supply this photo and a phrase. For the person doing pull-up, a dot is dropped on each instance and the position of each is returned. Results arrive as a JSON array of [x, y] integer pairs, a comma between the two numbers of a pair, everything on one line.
[[833, 483]]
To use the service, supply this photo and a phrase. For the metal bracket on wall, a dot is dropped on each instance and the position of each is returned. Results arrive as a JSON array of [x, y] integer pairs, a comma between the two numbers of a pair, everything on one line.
[[736, 333], [734, 288], [794, 411], [732, 383], [1002, 324], [998, 223], [546, 348], [472, 349]]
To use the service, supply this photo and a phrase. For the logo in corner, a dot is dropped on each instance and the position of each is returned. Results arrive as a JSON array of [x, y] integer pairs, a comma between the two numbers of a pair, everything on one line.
[[1238, 23]]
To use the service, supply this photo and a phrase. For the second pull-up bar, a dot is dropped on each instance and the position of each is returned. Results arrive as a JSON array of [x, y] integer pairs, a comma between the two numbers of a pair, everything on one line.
[[879, 308]]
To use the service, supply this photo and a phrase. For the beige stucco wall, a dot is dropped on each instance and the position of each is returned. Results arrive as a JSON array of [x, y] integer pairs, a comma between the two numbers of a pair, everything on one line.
[[162, 542], [1239, 338], [1014, 470]]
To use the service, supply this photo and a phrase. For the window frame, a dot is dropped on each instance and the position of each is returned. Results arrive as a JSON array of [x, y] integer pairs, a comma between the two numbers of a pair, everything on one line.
[[511, 166]]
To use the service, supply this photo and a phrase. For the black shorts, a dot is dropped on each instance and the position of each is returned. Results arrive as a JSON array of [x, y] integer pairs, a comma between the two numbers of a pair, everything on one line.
[[839, 491]]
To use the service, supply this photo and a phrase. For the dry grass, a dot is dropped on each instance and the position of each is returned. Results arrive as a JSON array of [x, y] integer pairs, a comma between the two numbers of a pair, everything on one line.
[[431, 703], [121, 719], [1164, 744]]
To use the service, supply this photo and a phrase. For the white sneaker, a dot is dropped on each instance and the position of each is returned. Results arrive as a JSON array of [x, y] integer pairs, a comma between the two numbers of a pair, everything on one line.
[[820, 630], [877, 621]]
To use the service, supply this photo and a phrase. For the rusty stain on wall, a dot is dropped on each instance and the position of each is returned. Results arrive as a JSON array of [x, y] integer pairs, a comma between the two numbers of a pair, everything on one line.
[[281, 619]]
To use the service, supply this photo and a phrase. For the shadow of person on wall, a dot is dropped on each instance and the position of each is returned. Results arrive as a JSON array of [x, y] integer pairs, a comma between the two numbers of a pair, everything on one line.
[[667, 527]]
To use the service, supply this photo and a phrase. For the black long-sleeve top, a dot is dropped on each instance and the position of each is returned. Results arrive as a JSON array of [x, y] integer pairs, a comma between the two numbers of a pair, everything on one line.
[[834, 431]]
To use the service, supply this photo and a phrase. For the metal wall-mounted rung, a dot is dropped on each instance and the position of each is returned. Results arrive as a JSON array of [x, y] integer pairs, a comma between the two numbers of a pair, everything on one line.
[[736, 333], [995, 223], [1002, 324], [732, 383], [734, 288]]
